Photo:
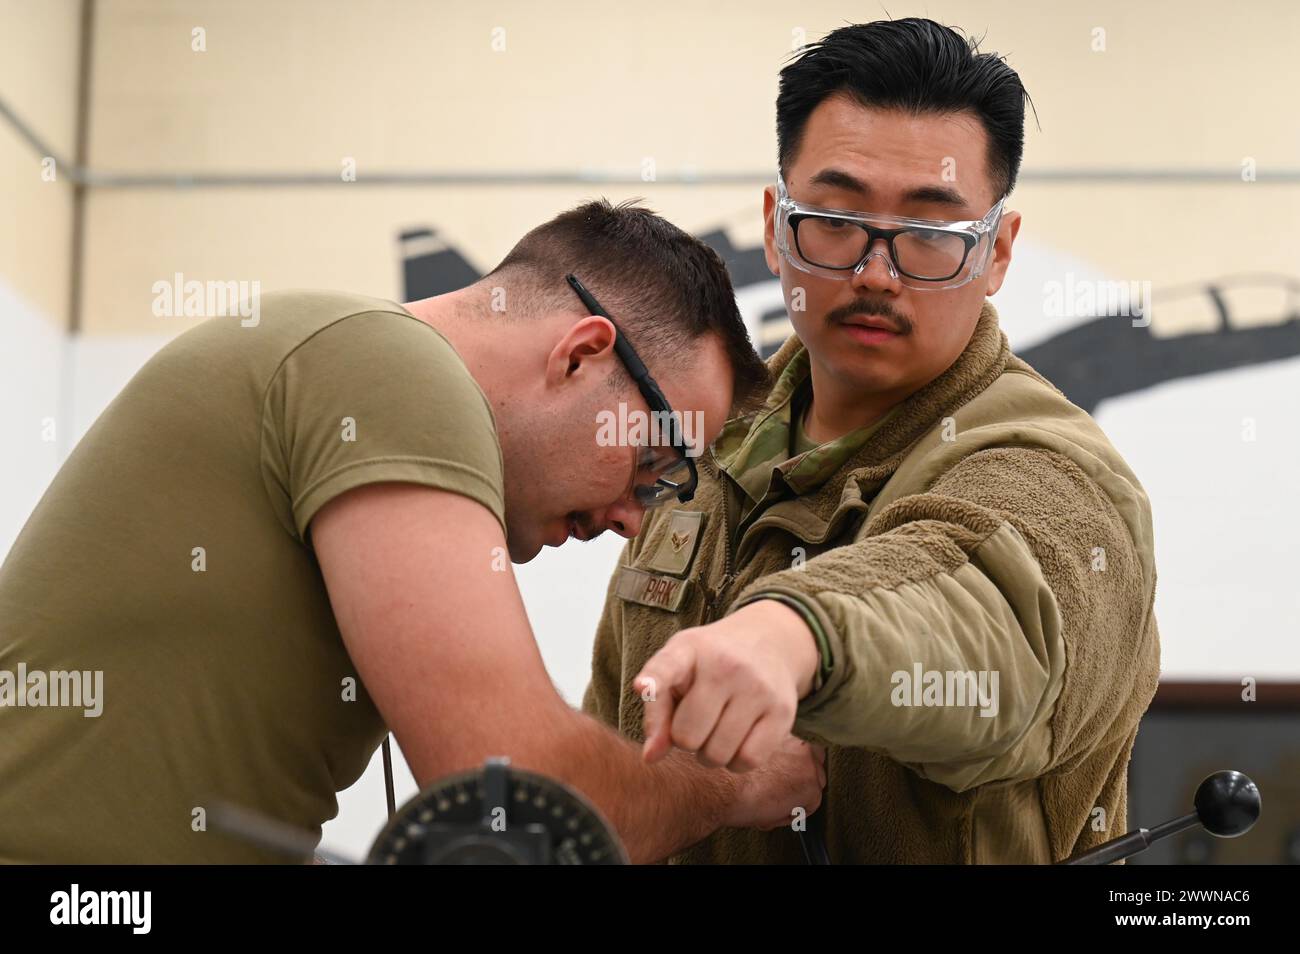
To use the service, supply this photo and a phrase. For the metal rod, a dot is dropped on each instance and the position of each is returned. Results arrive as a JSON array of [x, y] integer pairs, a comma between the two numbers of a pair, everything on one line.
[[269, 833], [108, 180], [100, 179], [77, 257], [388, 778]]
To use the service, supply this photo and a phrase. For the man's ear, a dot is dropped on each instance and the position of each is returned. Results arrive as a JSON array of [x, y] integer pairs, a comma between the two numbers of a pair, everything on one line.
[[584, 348], [1007, 230], [769, 231]]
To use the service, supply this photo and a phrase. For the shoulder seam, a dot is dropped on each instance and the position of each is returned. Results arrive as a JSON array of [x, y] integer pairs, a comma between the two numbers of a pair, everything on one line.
[[270, 381]]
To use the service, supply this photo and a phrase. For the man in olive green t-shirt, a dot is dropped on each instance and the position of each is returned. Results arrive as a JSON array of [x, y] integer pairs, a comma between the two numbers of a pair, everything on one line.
[[284, 539]]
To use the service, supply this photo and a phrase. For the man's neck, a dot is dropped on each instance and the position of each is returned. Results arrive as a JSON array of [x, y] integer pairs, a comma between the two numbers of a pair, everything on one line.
[[834, 411], [440, 312], [453, 315]]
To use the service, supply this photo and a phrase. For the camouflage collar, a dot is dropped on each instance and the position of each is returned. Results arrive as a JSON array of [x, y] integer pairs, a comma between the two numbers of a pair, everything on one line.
[[754, 450], [761, 459]]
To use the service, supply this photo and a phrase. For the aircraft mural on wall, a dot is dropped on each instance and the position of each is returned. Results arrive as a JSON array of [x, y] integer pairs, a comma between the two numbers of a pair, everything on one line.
[[1095, 359]]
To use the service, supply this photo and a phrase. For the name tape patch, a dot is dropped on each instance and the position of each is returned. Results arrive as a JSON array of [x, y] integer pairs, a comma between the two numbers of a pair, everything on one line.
[[650, 589]]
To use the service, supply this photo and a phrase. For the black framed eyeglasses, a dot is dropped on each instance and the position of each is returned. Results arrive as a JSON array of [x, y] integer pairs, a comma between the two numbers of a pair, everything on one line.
[[924, 254], [928, 254], [682, 478]]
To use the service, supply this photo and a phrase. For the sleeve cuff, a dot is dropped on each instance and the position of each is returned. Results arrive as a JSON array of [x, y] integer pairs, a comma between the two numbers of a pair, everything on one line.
[[826, 666], [446, 475]]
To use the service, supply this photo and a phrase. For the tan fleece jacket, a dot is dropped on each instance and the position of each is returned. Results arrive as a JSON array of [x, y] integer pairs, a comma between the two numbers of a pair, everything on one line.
[[980, 575]]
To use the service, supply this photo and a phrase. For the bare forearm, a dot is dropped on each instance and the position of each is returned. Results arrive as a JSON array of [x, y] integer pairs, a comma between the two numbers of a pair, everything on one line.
[[658, 810]]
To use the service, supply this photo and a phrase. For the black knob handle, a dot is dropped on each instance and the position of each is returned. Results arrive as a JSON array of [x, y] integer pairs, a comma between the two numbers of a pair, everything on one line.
[[1227, 804]]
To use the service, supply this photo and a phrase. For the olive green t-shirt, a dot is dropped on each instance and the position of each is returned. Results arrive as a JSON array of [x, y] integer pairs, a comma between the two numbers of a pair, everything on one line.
[[171, 554]]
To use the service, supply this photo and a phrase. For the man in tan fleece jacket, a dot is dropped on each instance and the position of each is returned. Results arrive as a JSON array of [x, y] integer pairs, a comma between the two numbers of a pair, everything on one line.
[[918, 552]]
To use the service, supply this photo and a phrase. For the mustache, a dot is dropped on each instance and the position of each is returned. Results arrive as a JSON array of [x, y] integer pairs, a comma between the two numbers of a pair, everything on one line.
[[585, 526], [899, 322]]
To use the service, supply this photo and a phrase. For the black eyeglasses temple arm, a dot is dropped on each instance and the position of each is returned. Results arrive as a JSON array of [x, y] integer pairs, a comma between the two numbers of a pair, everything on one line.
[[635, 366]]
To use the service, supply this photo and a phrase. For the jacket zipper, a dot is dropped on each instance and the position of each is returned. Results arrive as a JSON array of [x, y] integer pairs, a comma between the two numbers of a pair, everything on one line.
[[728, 577]]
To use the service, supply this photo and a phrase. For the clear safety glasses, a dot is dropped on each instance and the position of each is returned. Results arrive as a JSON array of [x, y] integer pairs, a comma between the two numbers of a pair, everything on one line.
[[674, 479], [925, 254]]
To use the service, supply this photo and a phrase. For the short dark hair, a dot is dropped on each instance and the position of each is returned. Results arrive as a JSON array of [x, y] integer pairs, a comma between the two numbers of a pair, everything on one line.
[[664, 288], [915, 65]]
